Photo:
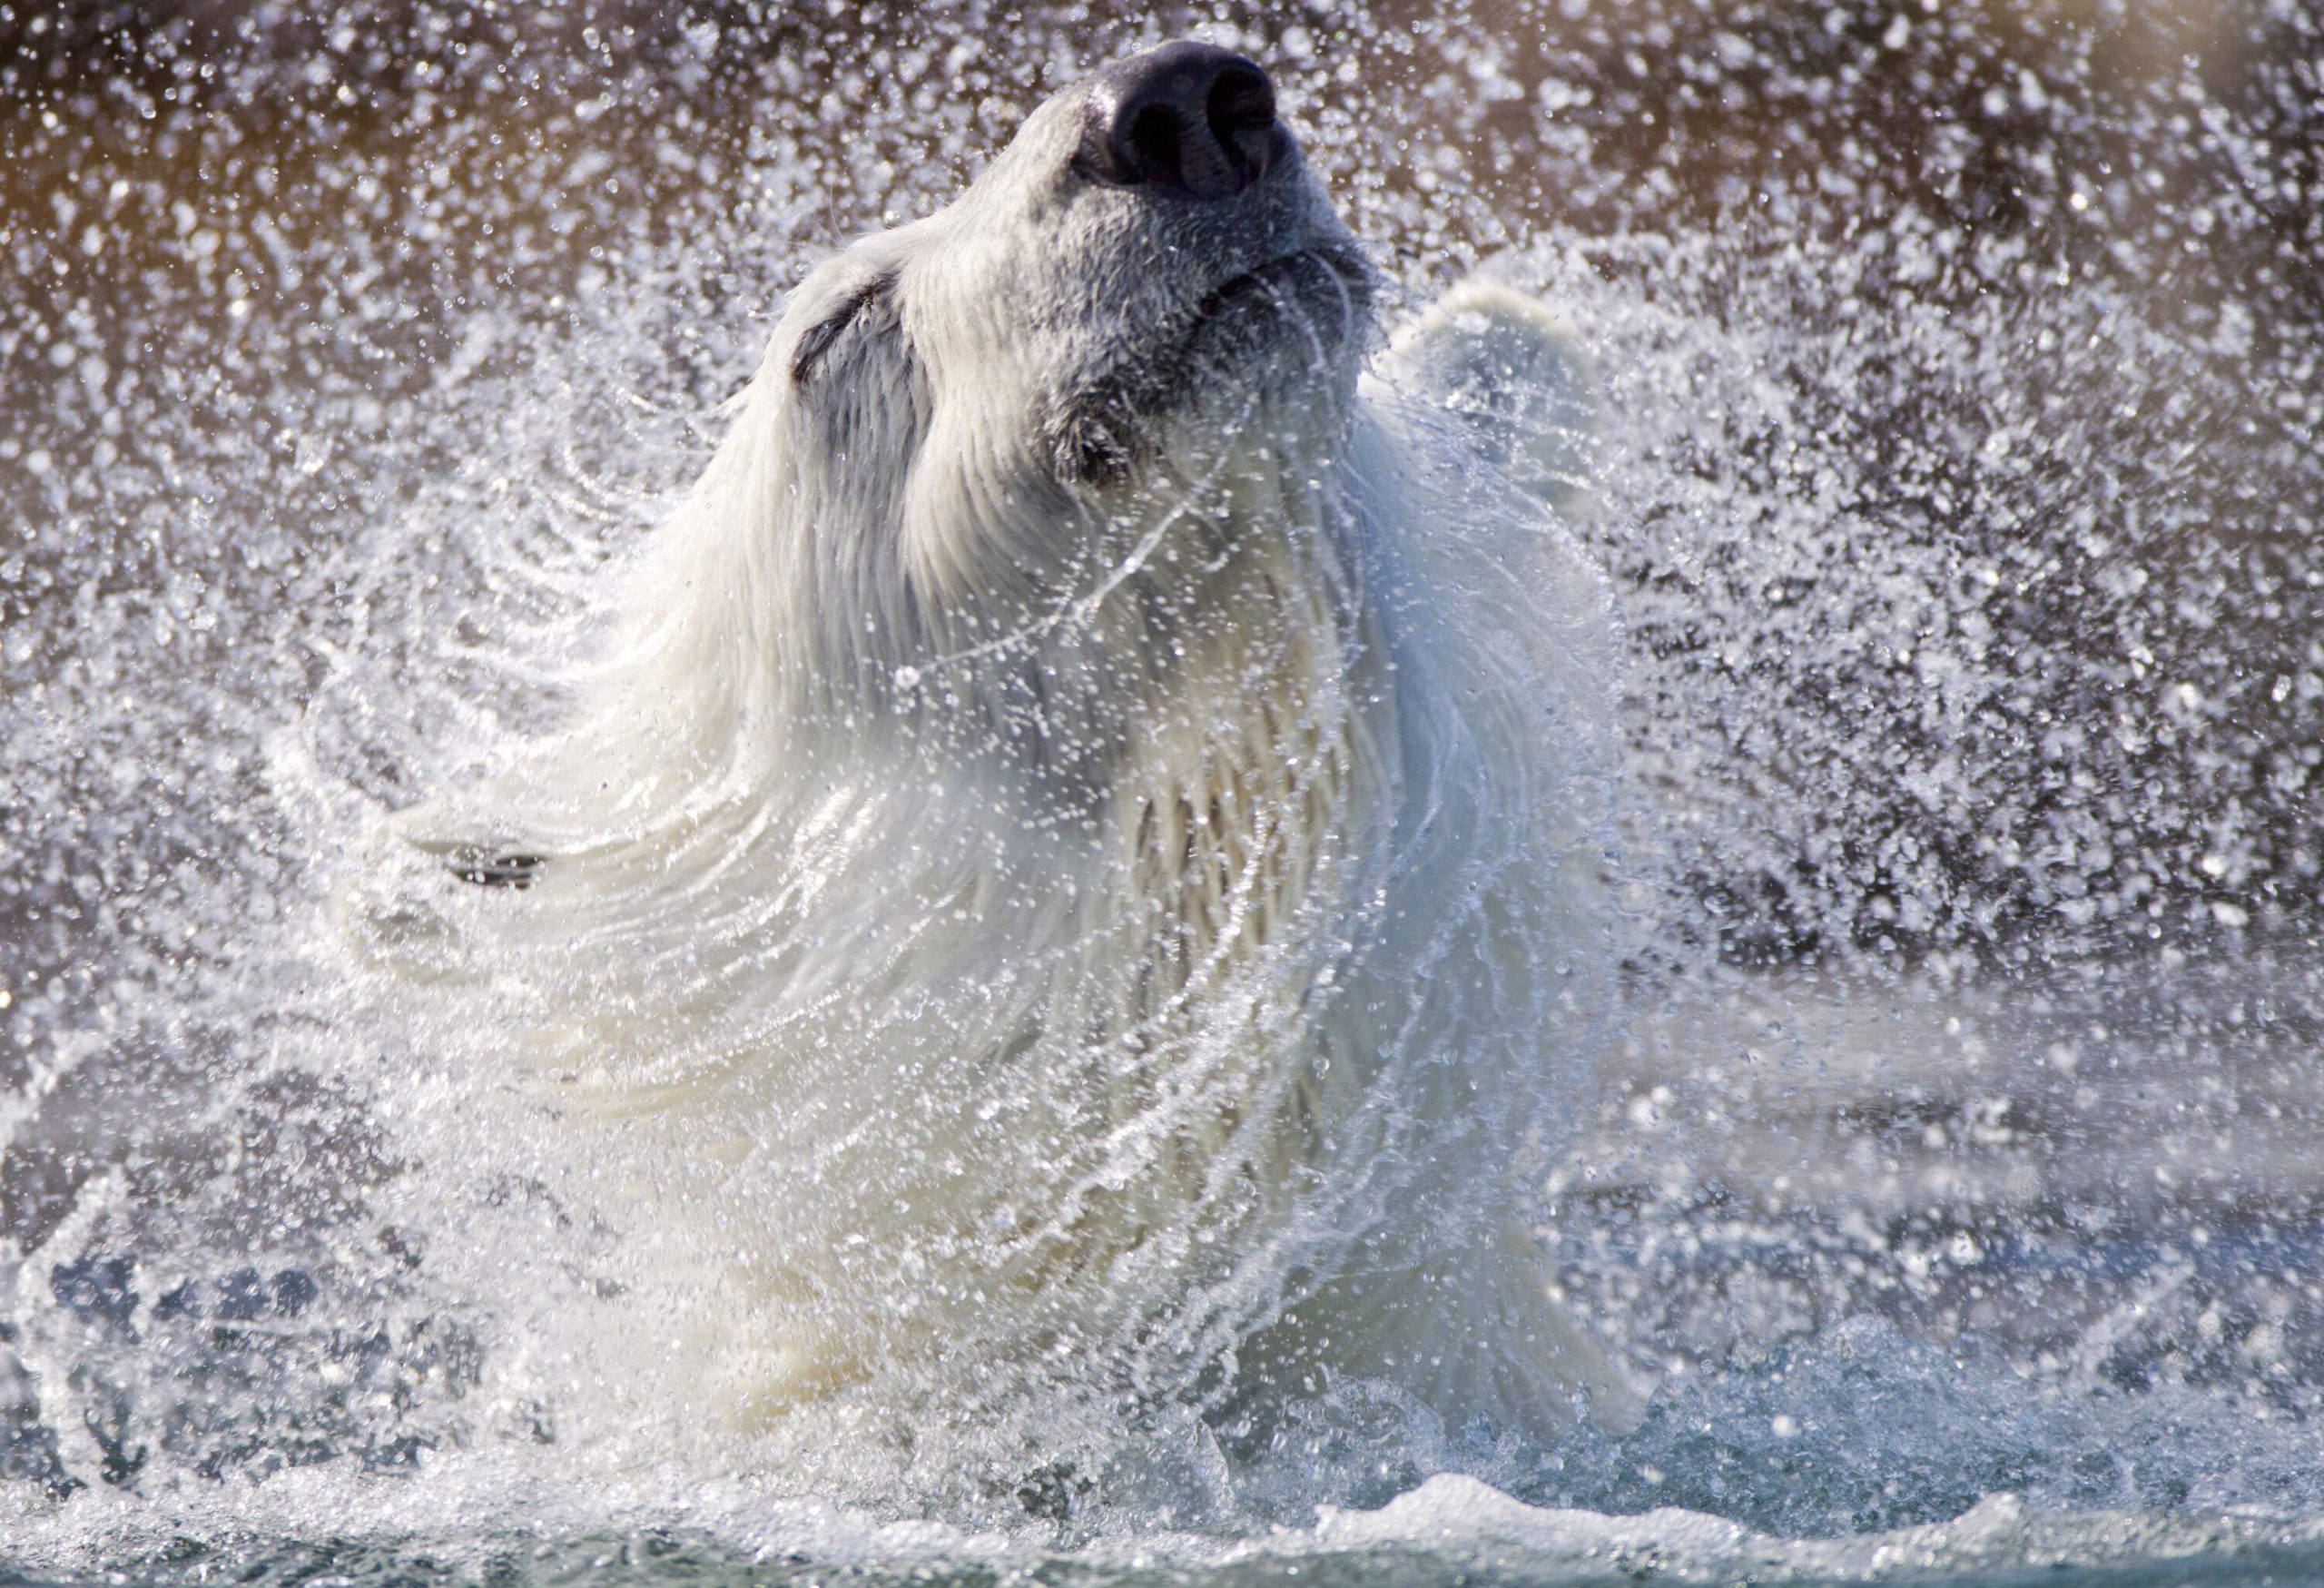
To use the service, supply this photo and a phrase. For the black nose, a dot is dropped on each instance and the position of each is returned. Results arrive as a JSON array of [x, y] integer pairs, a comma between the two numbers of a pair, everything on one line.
[[1190, 120]]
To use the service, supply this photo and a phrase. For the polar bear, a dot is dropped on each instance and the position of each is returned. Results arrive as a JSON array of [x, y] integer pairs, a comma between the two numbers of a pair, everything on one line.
[[1079, 865]]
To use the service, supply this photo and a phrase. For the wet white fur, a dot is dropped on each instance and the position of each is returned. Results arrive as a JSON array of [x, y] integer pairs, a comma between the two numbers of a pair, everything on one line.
[[996, 928]]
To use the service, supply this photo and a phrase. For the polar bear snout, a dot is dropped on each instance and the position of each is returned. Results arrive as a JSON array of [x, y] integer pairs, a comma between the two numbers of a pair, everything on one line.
[[1188, 121]]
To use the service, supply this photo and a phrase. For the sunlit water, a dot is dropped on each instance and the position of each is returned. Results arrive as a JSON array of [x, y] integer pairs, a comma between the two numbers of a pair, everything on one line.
[[1947, 1172]]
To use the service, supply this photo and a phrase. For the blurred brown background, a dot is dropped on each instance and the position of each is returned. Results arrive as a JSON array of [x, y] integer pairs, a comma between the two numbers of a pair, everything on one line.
[[1483, 117]]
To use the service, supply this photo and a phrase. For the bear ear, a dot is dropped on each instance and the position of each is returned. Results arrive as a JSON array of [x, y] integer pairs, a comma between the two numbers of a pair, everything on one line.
[[1503, 364], [807, 355]]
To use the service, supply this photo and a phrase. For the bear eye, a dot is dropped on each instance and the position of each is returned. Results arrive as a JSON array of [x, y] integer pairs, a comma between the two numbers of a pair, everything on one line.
[[819, 337]]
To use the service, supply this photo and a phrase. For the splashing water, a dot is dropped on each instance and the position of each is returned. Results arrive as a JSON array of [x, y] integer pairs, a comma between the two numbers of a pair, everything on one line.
[[1946, 1168]]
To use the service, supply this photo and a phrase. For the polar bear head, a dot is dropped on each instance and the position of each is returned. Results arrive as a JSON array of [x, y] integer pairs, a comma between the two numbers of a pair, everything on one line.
[[957, 415], [1146, 235], [1008, 474]]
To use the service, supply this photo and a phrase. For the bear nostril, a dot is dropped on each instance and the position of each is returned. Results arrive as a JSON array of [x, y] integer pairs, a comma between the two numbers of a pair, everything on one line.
[[1241, 102], [1154, 140], [1189, 120]]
